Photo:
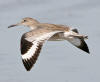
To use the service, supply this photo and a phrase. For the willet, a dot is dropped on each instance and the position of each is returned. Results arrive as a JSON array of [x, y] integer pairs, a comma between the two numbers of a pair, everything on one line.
[[32, 41]]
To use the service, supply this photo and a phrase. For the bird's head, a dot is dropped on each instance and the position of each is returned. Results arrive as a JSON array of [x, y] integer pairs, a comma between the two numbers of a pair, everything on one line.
[[25, 22]]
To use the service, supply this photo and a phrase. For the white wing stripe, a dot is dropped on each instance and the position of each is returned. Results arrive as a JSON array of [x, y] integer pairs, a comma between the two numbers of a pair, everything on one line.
[[32, 50]]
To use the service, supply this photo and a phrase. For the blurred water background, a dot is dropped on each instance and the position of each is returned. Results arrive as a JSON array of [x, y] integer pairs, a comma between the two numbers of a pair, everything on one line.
[[58, 61]]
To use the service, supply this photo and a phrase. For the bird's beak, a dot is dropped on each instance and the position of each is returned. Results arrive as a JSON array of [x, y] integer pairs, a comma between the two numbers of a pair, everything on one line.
[[14, 25]]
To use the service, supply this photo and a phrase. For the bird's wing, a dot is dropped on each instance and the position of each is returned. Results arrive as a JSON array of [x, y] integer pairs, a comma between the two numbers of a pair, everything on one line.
[[31, 44], [76, 40], [75, 30], [79, 43]]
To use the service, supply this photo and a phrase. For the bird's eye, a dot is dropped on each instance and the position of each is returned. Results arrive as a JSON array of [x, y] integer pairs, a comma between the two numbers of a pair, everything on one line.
[[24, 20]]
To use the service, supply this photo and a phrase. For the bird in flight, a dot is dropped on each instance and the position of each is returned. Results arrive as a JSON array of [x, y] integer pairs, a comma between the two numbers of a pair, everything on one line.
[[32, 41]]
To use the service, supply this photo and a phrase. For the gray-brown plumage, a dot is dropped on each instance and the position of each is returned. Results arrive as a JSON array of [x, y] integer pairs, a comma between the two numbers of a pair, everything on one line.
[[32, 41]]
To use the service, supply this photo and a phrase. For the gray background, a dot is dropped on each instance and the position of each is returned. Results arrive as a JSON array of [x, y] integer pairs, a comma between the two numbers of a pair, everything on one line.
[[58, 61]]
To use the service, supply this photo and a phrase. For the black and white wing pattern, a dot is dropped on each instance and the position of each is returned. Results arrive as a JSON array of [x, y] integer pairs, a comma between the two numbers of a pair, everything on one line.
[[31, 45], [79, 43]]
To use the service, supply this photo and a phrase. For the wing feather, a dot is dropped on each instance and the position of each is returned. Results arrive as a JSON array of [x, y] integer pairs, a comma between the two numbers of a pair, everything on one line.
[[79, 43], [31, 47]]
